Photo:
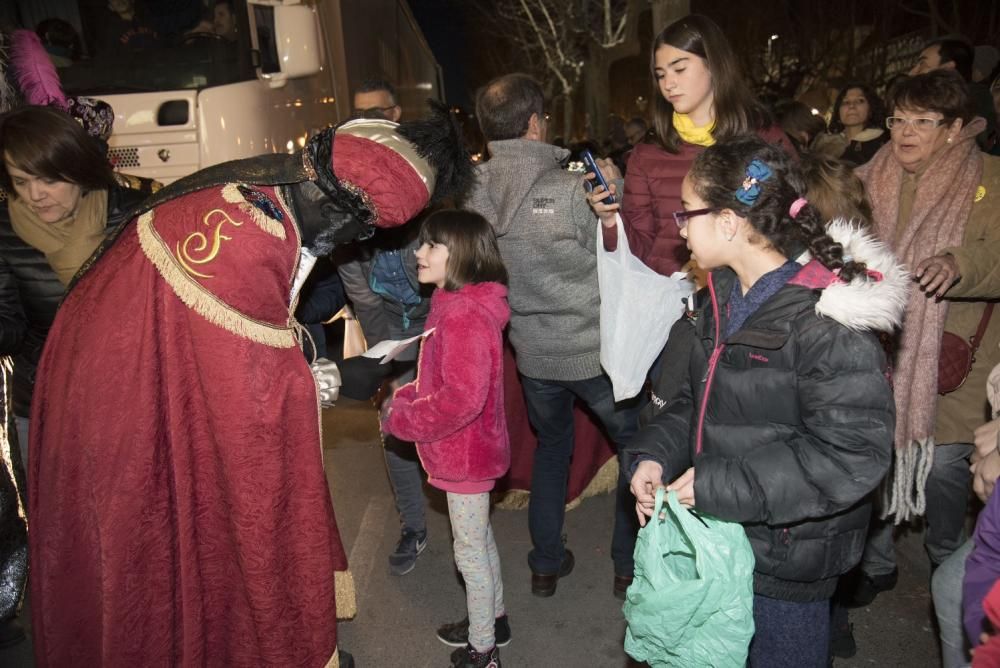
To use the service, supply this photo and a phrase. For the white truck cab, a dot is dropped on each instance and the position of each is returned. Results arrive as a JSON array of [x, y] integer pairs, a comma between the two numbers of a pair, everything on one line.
[[197, 82]]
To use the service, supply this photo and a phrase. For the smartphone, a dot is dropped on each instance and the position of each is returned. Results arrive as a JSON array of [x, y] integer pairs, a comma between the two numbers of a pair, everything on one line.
[[590, 165]]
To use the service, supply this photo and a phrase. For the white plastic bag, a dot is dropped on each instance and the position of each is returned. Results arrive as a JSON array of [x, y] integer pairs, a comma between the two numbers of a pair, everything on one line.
[[638, 308]]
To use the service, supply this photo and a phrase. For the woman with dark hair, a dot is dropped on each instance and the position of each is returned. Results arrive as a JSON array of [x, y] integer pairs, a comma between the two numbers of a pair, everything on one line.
[[855, 132], [935, 198], [702, 97], [783, 420], [59, 199]]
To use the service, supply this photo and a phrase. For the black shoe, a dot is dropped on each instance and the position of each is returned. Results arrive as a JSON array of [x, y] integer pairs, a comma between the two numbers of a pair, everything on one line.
[[410, 545], [345, 659], [457, 634], [544, 584], [11, 633], [842, 644], [467, 657], [871, 586]]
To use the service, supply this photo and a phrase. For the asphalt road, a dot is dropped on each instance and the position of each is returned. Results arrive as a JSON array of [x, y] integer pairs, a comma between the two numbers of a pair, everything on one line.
[[581, 626]]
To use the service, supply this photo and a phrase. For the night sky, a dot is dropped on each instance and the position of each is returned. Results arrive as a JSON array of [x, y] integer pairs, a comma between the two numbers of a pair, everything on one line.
[[443, 25]]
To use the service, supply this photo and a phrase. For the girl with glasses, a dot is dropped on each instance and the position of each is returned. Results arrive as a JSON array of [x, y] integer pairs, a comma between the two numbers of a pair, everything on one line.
[[783, 420]]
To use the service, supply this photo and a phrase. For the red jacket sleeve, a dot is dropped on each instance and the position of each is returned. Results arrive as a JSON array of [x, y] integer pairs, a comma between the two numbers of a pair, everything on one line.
[[463, 361], [637, 209], [654, 175]]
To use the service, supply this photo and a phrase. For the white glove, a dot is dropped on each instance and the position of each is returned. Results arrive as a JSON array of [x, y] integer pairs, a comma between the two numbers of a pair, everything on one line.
[[327, 377]]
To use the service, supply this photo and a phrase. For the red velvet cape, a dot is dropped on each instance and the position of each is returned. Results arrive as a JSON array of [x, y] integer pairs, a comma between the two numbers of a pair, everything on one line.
[[180, 514]]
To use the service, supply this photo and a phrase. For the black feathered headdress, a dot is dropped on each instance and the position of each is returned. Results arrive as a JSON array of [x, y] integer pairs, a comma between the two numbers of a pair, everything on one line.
[[438, 139]]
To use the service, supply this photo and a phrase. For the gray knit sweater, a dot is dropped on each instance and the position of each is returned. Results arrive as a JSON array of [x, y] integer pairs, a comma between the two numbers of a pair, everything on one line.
[[547, 236]]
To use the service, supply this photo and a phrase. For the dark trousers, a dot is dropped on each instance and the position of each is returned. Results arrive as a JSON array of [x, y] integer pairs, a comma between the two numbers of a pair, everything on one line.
[[789, 634], [947, 492], [550, 411]]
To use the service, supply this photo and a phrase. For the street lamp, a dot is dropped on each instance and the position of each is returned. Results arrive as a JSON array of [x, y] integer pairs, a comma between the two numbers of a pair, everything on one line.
[[770, 41]]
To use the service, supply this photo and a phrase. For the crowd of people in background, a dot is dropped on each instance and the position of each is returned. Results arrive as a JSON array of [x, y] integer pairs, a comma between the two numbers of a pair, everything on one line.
[[831, 379]]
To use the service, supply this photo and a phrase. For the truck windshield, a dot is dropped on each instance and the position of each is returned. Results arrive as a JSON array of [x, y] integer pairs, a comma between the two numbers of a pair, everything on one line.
[[126, 46]]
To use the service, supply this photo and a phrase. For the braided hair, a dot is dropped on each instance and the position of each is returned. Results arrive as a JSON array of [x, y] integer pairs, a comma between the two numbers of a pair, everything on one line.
[[718, 175]]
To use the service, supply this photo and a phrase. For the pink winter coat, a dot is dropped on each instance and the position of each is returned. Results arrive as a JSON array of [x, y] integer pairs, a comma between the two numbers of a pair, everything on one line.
[[454, 410]]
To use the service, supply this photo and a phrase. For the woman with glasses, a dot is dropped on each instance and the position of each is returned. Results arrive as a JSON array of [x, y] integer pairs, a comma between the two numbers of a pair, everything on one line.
[[702, 98], [935, 198], [856, 131]]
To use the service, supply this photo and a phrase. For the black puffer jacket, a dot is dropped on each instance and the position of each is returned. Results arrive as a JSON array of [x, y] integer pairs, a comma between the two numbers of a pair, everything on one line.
[[30, 292], [793, 428]]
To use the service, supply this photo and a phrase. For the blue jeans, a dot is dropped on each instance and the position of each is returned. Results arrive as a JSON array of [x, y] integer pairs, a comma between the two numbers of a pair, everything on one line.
[[946, 592], [550, 411], [401, 460]]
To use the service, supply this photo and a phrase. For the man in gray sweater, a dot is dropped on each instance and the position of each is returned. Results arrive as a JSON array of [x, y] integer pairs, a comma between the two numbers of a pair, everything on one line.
[[547, 235]]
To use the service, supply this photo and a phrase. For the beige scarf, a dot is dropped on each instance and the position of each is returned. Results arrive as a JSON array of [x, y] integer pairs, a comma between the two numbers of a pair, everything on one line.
[[68, 243], [941, 208]]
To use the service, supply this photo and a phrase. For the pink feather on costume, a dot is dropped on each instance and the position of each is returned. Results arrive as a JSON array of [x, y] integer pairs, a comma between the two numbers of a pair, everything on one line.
[[36, 75]]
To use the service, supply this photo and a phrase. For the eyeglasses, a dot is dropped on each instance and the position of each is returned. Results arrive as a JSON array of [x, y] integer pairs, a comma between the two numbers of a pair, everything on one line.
[[918, 124], [374, 112], [682, 217]]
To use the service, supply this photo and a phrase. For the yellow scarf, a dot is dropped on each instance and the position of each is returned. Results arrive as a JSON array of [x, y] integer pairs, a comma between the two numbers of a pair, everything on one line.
[[692, 135], [68, 243]]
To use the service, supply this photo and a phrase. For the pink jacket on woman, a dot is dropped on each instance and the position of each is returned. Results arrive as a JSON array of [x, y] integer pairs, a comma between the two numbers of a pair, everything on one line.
[[454, 410]]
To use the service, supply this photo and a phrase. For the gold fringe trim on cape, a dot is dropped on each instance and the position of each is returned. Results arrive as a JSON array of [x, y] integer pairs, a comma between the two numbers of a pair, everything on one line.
[[347, 599], [196, 297], [604, 481], [334, 661], [231, 193]]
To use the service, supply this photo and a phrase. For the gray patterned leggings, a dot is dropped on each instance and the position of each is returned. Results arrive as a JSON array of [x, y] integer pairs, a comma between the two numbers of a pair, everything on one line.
[[477, 559]]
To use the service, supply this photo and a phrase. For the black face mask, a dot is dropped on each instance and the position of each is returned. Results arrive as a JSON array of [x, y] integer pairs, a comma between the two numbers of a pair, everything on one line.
[[324, 223]]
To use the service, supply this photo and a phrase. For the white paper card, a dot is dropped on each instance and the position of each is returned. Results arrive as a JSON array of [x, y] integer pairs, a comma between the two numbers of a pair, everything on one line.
[[391, 349], [306, 262]]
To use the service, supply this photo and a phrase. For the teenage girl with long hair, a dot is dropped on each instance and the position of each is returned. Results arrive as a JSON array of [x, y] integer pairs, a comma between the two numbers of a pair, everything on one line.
[[703, 98]]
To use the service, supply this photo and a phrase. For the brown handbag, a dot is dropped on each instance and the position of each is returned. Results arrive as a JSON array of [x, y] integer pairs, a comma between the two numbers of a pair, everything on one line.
[[957, 356]]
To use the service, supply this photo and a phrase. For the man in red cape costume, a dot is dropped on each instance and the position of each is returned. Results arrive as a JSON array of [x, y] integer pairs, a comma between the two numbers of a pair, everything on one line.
[[180, 514]]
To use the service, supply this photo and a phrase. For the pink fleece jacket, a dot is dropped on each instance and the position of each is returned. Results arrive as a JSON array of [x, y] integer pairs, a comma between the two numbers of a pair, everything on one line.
[[454, 410]]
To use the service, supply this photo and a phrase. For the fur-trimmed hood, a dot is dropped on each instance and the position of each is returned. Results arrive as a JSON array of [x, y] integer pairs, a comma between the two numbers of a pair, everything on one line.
[[876, 303]]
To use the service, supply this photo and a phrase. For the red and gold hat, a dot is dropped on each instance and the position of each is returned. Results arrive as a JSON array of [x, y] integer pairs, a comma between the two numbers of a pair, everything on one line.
[[384, 168], [388, 172]]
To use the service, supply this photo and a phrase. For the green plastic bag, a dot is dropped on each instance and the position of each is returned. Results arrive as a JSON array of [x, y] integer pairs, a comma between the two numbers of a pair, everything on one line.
[[691, 602]]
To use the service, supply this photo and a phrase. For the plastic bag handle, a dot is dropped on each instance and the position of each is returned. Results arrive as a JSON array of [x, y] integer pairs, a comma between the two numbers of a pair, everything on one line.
[[622, 250], [689, 523]]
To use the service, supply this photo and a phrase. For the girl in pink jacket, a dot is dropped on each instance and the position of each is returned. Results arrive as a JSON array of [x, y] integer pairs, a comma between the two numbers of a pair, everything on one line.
[[454, 411]]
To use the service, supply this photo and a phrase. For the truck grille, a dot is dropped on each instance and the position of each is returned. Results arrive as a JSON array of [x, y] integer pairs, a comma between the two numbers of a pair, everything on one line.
[[124, 157]]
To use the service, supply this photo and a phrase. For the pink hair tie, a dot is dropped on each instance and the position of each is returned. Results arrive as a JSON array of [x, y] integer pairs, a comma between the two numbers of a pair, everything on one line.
[[796, 206]]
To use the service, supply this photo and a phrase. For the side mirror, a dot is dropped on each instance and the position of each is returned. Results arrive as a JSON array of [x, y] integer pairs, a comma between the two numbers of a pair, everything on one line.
[[286, 36]]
